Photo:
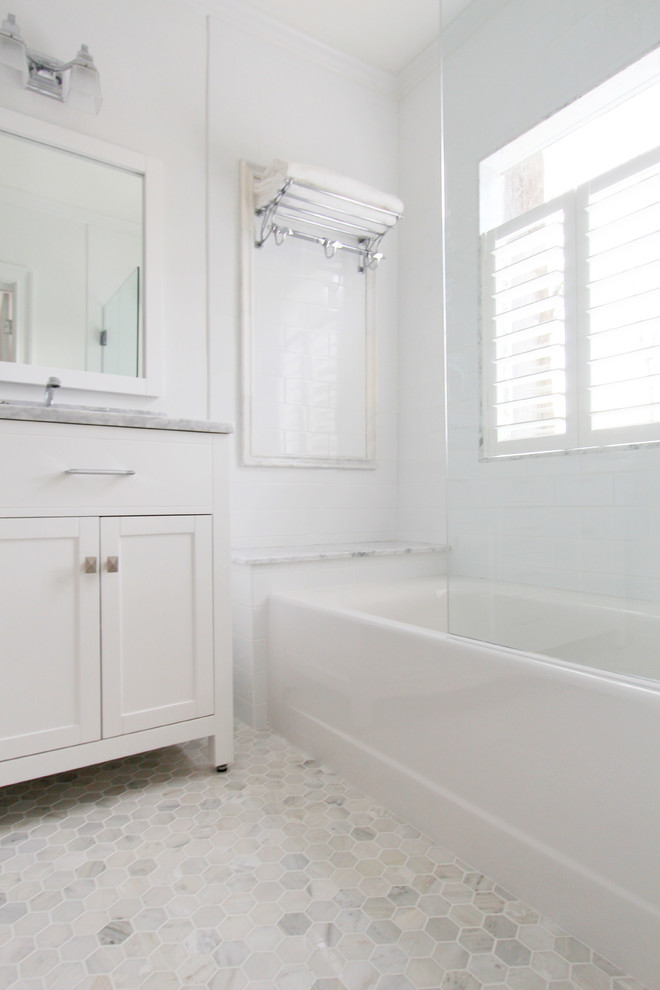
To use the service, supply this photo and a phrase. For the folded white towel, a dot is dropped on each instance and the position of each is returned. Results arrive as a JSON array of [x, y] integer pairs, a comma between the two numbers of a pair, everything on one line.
[[278, 172]]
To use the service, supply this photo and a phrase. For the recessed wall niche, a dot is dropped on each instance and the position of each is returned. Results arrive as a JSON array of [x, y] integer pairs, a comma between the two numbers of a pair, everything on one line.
[[307, 351]]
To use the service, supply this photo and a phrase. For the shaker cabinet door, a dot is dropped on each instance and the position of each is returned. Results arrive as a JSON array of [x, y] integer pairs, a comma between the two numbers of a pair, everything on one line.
[[156, 621], [49, 634]]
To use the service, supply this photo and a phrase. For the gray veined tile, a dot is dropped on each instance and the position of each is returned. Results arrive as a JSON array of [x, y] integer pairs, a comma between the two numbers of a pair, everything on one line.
[[394, 983], [487, 968], [460, 980], [466, 915], [424, 972], [572, 950], [202, 942], [403, 896], [130, 973], [451, 955], [502, 927], [550, 966], [293, 978], [526, 979], [12, 912], [161, 980], [383, 932], [115, 932], [442, 929], [512, 952], [360, 976], [389, 959], [379, 907], [476, 940], [409, 919]]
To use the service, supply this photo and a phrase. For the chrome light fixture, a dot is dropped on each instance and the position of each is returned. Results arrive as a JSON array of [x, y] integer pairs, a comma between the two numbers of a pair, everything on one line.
[[75, 82]]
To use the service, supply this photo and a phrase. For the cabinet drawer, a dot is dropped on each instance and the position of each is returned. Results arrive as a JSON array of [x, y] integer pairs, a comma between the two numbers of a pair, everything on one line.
[[43, 468]]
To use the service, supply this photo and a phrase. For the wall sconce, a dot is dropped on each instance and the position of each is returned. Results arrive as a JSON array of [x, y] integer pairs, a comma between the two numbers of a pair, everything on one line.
[[75, 82]]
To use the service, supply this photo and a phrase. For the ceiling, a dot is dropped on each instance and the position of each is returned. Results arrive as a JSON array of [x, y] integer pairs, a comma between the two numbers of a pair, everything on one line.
[[385, 33]]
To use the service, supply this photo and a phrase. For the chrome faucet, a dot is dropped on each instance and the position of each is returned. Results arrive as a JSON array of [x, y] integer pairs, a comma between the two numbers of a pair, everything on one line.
[[51, 385]]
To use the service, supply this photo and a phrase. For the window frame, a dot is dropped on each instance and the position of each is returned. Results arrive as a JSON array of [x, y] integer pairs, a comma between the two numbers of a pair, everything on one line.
[[579, 433]]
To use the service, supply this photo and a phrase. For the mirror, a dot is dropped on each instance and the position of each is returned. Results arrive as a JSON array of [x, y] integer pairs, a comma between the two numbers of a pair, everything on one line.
[[78, 265], [307, 351]]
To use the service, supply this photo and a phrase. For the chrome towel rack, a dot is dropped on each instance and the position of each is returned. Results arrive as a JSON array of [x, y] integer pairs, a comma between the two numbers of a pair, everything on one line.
[[335, 221]]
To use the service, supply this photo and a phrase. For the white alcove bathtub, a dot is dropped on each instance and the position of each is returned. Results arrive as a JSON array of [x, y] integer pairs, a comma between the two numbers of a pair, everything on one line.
[[542, 773]]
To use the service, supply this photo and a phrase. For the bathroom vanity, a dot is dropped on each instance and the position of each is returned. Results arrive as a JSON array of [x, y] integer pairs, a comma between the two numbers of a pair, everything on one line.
[[114, 560], [114, 587]]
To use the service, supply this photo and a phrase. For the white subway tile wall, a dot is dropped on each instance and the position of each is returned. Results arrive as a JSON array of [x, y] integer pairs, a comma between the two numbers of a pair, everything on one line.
[[587, 522]]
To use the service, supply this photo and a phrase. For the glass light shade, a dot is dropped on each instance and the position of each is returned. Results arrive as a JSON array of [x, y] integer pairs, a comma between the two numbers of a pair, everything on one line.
[[84, 91], [13, 61]]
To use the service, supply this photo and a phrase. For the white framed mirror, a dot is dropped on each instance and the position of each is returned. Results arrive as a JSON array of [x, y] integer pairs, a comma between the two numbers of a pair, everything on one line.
[[80, 265], [308, 356]]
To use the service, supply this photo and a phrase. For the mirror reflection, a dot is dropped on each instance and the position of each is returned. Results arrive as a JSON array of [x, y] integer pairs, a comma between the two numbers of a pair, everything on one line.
[[71, 260]]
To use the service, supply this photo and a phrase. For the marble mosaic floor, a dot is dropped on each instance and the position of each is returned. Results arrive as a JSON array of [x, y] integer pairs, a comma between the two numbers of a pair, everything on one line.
[[156, 872]]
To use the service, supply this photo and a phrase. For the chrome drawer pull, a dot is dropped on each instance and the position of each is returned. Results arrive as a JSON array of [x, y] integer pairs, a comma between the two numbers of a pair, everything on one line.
[[121, 471]]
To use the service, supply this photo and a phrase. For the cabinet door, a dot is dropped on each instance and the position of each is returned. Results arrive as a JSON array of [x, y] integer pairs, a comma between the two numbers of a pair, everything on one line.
[[156, 621], [49, 634]]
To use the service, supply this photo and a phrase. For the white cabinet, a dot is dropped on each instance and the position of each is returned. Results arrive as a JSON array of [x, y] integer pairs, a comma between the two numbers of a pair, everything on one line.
[[114, 600], [49, 622], [156, 620]]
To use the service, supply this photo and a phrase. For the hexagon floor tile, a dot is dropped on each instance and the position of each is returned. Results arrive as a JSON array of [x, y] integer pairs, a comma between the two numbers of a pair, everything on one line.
[[156, 872]]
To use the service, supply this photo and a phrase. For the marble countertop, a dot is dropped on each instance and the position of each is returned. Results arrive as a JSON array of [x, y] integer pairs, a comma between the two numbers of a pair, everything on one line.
[[338, 551], [107, 417]]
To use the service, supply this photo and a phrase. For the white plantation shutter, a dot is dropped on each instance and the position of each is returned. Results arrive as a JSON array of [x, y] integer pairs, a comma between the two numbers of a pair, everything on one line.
[[622, 246], [525, 306], [571, 301]]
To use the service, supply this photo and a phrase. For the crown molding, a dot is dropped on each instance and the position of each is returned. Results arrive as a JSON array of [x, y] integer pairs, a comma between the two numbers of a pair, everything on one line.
[[240, 15], [428, 60]]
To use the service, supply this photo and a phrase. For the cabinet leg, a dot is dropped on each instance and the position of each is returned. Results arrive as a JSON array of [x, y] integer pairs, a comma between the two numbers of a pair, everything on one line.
[[216, 754]]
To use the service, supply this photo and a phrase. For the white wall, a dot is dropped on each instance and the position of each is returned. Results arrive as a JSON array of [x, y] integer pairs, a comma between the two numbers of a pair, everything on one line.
[[269, 99], [586, 521], [421, 503]]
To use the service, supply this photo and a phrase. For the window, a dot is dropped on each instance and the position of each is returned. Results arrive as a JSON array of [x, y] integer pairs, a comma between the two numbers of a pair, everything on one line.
[[571, 275], [7, 322], [14, 313]]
